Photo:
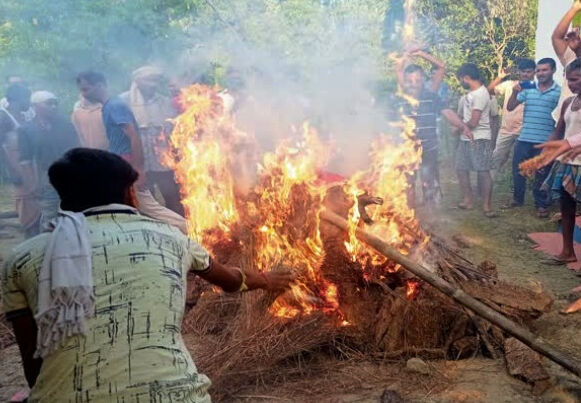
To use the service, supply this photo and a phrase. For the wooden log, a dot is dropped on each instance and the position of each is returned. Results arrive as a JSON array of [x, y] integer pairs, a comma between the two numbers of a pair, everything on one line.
[[523, 362], [458, 295]]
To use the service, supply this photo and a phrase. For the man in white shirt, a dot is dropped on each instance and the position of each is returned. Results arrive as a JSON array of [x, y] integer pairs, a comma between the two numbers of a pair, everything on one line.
[[475, 153]]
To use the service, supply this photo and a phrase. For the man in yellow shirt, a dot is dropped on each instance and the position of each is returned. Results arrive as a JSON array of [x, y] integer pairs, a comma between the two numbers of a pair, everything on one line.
[[97, 304]]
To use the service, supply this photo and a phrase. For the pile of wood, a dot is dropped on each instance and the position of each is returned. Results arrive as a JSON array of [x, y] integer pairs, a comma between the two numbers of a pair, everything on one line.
[[236, 341]]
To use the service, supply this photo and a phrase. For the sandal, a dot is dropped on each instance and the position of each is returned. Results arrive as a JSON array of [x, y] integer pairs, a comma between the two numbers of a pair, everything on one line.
[[463, 206], [512, 204], [490, 214], [557, 261]]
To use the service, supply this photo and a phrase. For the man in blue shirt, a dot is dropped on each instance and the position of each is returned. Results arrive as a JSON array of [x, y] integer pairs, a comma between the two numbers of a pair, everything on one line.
[[118, 119], [538, 124], [125, 141]]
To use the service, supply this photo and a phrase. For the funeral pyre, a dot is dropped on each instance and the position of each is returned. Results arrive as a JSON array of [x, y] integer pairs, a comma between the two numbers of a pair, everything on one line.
[[346, 295]]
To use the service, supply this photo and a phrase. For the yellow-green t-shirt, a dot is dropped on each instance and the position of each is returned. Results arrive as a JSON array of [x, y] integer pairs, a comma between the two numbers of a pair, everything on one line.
[[133, 350]]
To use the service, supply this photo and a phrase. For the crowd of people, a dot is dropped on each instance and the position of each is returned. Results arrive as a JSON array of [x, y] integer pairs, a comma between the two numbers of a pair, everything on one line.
[[535, 110], [96, 294]]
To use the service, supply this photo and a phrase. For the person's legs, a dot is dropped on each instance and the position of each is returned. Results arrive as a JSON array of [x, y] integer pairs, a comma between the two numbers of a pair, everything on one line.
[[520, 182], [465, 188], [28, 212], [504, 145], [568, 207], [485, 181], [428, 172], [481, 162], [542, 201], [168, 188], [463, 167]]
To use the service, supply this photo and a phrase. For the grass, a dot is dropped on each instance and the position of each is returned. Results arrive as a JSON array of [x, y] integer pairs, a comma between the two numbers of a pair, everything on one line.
[[502, 240]]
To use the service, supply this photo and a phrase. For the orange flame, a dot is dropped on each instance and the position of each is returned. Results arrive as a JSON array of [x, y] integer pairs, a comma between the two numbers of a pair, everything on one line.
[[282, 207], [412, 289]]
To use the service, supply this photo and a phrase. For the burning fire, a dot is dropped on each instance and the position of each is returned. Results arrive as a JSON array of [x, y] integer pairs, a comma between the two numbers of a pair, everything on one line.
[[412, 289], [281, 210]]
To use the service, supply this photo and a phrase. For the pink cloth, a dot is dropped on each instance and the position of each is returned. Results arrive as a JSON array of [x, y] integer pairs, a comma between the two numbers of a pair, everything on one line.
[[575, 140]]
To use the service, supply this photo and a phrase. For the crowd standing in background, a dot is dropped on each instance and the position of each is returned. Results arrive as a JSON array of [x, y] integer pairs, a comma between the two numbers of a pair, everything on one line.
[[124, 139], [92, 217]]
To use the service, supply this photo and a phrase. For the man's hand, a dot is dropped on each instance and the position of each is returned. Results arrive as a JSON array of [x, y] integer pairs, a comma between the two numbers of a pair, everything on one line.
[[571, 154], [517, 88], [553, 149], [467, 133], [275, 281], [576, 5]]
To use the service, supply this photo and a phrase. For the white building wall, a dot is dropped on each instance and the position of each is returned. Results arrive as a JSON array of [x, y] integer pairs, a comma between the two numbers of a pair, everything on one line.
[[550, 12]]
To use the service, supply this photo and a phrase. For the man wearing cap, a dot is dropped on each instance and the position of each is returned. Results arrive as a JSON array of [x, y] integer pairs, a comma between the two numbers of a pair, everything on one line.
[[41, 142], [153, 111]]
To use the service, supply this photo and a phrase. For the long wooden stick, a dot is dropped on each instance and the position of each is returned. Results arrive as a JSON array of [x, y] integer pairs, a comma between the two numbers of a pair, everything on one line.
[[458, 295]]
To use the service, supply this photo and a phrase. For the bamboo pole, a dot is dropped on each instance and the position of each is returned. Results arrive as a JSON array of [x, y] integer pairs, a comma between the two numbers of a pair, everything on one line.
[[458, 295]]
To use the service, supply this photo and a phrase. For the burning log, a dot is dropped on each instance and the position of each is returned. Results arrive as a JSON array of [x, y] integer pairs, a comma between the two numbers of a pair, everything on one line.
[[458, 295], [348, 300]]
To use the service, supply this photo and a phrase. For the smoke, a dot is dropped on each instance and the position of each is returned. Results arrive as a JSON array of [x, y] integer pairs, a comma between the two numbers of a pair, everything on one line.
[[319, 61], [322, 66]]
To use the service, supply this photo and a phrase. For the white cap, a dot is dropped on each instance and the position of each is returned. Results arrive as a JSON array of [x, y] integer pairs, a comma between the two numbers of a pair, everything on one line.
[[39, 97]]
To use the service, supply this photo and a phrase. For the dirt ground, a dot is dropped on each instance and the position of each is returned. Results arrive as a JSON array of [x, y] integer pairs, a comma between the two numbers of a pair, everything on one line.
[[502, 240]]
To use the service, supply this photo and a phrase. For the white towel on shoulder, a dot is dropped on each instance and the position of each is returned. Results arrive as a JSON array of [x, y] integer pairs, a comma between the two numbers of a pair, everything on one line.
[[65, 283]]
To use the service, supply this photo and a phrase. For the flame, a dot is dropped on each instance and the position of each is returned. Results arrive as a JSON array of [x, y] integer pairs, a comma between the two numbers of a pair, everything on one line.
[[202, 169], [412, 289], [281, 207], [394, 221]]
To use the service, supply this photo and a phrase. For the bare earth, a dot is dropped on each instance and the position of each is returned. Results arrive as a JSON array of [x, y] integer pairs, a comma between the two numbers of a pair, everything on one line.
[[501, 240]]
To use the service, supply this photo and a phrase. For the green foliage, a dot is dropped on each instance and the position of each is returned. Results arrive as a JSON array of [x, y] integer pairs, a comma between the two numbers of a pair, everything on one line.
[[50, 41], [491, 33]]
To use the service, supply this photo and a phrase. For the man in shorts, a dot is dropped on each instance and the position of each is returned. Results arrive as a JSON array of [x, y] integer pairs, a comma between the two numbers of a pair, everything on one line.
[[474, 152]]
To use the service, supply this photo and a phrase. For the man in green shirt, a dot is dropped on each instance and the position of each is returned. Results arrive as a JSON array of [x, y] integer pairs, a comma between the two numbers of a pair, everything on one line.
[[122, 339]]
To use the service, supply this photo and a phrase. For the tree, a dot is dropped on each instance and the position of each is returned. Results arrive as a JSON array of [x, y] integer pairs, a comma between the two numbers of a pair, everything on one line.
[[509, 27], [491, 33]]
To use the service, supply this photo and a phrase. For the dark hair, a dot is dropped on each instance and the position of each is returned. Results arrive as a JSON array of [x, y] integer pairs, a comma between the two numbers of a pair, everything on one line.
[[526, 64], [574, 65], [413, 68], [17, 92], [92, 77], [549, 61], [85, 178], [470, 70]]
